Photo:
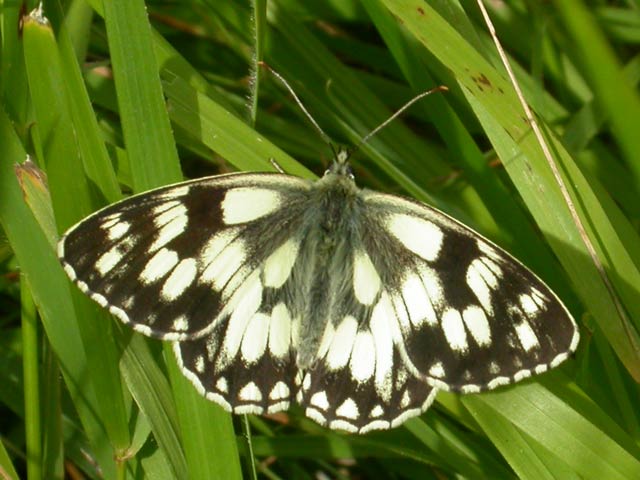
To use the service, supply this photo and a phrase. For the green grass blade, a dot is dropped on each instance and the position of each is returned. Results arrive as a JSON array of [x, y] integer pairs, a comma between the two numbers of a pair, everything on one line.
[[153, 159], [562, 431], [34, 438], [50, 290], [7, 470], [602, 70], [145, 125], [61, 156]]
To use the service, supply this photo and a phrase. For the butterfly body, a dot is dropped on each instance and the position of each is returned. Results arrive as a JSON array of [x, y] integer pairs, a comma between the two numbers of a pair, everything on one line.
[[355, 304]]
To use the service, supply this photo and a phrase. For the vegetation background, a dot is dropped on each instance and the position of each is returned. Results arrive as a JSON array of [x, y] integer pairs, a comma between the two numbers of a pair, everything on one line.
[[120, 96]]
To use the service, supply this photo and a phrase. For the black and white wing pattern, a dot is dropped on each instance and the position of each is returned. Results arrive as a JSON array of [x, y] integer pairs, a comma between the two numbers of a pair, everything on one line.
[[200, 263], [467, 315], [357, 305]]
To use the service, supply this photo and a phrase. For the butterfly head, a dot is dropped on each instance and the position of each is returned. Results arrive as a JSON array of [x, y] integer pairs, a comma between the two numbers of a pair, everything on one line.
[[340, 165]]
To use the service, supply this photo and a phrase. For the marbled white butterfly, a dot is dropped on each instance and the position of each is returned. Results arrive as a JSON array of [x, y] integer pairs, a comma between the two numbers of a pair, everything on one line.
[[357, 305]]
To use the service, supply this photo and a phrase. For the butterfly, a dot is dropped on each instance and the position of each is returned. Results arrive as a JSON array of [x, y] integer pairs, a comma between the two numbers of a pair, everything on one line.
[[357, 305]]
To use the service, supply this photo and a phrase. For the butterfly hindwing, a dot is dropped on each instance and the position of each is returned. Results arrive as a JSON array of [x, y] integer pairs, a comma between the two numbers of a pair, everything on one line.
[[246, 363], [360, 383]]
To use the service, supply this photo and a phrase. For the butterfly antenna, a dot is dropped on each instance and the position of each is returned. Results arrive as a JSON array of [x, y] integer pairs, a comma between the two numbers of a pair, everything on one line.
[[398, 112], [324, 136]]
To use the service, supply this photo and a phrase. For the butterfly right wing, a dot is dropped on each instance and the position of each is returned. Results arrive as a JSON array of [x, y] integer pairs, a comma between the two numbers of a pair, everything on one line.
[[468, 315]]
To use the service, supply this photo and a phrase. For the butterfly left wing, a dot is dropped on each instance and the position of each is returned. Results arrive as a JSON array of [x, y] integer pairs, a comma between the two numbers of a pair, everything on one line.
[[468, 315]]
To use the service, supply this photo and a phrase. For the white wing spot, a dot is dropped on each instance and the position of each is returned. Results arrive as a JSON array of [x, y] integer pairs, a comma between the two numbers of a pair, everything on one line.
[[406, 399], [437, 370], [223, 260], [108, 260], [521, 375], [541, 369], [417, 301], [366, 281], [110, 220], [279, 391], [481, 280], [454, 330], [179, 280], [176, 211], [116, 231], [250, 393], [494, 368], [375, 425], [496, 382], [376, 411], [422, 237], [175, 192], [327, 338], [381, 315], [348, 409], [243, 305], [163, 207], [538, 297], [529, 306], [200, 364], [478, 324], [401, 314], [306, 382], [162, 262], [221, 385], [254, 342], [343, 425], [248, 409], [280, 331], [363, 357], [181, 324], [170, 230], [319, 399], [246, 204], [527, 336], [277, 267], [342, 343], [433, 286], [315, 415]]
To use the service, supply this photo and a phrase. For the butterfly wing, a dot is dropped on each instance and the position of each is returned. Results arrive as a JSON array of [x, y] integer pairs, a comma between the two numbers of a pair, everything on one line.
[[200, 263], [168, 262], [470, 316]]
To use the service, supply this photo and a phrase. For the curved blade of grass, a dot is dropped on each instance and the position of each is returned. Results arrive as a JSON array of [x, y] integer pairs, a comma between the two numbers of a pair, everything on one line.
[[602, 70], [70, 200], [154, 161], [51, 293], [563, 432], [152, 393], [7, 470]]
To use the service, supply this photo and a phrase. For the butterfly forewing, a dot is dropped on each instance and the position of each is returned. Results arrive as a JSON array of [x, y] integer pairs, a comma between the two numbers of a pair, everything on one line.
[[168, 261]]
